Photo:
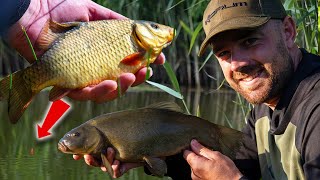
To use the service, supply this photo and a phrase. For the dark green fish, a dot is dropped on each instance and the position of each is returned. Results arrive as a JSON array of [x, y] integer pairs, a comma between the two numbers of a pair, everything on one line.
[[148, 134]]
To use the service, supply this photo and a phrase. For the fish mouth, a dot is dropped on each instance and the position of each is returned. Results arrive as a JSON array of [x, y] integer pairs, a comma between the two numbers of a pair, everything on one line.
[[167, 44], [170, 38], [62, 147]]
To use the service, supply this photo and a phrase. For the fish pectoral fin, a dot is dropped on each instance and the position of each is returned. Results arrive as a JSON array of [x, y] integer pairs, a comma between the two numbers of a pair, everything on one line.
[[58, 93], [51, 31], [107, 164], [156, 166], [133, 59]]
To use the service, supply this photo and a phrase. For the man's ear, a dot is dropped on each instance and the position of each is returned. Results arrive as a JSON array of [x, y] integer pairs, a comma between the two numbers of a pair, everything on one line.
[[290, 31]]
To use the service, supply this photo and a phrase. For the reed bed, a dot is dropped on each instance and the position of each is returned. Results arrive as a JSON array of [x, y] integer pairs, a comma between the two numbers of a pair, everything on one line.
[[182, 55]]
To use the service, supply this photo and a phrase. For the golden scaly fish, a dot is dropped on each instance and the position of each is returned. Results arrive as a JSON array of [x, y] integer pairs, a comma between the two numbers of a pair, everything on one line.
[[79, 54]]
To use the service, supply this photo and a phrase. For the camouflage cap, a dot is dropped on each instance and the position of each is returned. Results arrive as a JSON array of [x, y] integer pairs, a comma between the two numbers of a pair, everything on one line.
[[223, 15]]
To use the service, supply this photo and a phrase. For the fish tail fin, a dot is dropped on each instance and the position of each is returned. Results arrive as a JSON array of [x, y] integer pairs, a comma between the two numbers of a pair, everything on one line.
[[5, 87], [18, 93]]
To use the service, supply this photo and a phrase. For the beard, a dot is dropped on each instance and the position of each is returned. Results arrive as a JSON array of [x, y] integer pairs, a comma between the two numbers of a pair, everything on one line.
[[278, 72]]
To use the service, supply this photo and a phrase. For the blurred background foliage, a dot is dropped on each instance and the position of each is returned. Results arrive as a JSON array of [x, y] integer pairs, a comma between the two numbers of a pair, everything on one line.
[[186, 16]]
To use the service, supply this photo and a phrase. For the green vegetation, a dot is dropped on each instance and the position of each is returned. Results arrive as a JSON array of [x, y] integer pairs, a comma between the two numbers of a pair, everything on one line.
[[29, 42], [185, 16]]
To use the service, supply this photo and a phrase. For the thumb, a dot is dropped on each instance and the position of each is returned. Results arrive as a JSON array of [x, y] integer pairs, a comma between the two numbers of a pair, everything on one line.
[[193, 159], [201, 150]]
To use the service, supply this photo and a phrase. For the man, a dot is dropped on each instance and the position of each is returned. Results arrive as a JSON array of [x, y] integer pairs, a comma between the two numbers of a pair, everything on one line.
[[253, 40], [254, 44]]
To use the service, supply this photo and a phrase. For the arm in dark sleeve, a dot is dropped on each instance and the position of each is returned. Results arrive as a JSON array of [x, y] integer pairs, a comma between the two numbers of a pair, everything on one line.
[[310, 146], [11, 12], [247, 158]]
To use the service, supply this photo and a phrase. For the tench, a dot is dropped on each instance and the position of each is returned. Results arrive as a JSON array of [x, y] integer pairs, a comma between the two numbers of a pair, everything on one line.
[[79, 54], [147, 135]]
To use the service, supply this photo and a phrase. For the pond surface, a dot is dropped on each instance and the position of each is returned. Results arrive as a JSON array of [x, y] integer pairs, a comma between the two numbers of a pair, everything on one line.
[[24, 157]]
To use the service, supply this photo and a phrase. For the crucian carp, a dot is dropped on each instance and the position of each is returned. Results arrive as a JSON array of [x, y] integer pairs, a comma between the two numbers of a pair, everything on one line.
[[79, 54], [147, 135]]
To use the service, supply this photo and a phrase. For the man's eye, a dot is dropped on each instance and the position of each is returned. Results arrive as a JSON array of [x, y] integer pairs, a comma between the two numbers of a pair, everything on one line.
[[250, 41], [224, 55]]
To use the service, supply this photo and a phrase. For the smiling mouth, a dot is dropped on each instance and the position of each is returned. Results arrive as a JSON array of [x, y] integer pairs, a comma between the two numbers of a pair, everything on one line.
[[247, 76], [251, 77]]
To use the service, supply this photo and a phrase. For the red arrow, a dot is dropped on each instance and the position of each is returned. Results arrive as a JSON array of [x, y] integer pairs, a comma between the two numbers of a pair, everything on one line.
[[57, 109]]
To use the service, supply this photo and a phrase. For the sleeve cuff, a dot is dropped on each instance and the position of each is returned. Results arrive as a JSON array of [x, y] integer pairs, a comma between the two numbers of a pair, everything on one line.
[[11, 12]]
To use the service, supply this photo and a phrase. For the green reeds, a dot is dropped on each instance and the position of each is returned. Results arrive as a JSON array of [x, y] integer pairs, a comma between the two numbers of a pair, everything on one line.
[[186, 17], [305, 13], [29, 42]]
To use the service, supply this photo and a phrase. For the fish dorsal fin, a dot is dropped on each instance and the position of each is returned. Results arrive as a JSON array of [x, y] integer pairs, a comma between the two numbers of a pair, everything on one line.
[[166, 105], [51, 31]]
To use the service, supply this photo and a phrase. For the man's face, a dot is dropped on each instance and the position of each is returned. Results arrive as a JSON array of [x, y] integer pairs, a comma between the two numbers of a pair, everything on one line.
[[256, 63]]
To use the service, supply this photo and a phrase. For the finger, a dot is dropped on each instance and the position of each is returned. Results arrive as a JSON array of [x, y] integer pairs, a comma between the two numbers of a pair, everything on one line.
[[90, 160], [141, 76], [201, 150], [93, 92], [99, 12], [161, 59], [116, 169], [110, 154], [77, 157], [194, 176], [104, 169], [192, 158], [126, 80]]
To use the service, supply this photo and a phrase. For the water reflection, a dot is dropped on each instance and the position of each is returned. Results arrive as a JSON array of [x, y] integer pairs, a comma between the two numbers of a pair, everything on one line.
[[23, 157]]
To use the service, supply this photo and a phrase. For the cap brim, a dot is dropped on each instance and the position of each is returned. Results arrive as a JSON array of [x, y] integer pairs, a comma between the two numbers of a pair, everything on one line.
[[232, 24]]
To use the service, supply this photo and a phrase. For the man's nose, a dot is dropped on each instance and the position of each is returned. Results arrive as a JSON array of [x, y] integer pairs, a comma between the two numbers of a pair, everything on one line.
[[238, 60]]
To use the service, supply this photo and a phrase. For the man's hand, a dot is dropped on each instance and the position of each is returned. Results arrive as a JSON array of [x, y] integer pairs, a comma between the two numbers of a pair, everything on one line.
[[207, 164], [38, 13], [107, 90], [118, 168]]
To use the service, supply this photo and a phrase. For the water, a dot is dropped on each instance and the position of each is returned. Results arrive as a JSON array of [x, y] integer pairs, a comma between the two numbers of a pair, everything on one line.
[[24, 157]]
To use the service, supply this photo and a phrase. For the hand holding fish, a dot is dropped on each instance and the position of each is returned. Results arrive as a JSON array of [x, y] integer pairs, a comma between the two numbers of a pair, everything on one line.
[[119, 168], [34, 20], [78, 58], [207, 164], [38, 13], [107, 90]]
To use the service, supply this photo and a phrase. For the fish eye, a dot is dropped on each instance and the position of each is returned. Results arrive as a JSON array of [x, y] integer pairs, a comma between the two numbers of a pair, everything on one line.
[[154, 26], [76, 134]]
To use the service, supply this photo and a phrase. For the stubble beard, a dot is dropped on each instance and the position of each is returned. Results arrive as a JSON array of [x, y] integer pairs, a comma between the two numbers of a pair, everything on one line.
[[279, 73]]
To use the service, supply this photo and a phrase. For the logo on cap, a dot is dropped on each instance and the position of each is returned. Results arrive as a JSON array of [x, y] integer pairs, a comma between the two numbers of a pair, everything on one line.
[[222, 7]]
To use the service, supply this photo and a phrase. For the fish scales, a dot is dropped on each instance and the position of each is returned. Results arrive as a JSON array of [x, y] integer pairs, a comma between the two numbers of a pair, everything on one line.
[[77, 66], [79, 54]]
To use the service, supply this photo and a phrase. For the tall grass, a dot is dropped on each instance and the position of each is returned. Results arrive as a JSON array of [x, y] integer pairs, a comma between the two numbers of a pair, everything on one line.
[[186, 16]]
